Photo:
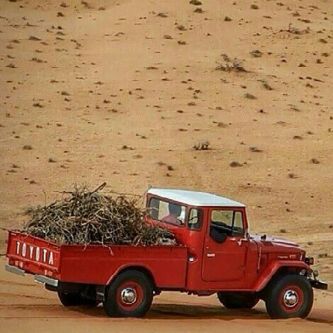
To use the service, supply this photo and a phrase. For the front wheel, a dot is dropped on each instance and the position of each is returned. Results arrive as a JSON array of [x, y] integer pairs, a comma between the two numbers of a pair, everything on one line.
[[129, 295], [288, 297], [237, 300]]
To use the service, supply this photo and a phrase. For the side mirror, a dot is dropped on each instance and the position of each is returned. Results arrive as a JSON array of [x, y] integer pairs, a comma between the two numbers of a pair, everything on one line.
[[217, 236]]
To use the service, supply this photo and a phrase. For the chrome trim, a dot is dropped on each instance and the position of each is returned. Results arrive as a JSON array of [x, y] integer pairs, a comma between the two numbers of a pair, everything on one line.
[[259, 257], [14, 269], [128, 295], [47, 280], [100, 296], [290, 298]]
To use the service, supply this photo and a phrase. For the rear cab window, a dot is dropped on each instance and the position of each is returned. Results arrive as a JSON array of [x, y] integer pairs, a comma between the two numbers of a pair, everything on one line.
[[175, 214], [167, 212]]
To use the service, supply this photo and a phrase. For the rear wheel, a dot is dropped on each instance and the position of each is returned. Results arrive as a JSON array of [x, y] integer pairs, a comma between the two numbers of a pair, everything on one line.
[[129, 295], [69, 299], [74, 299], [237, 300], [289, 296]]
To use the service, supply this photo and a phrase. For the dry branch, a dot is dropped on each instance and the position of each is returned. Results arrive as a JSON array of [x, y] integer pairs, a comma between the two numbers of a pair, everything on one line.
[[89, 217]]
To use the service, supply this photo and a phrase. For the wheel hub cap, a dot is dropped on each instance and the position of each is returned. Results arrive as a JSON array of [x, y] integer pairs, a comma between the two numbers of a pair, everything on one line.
[[290, 298], [128, 295]]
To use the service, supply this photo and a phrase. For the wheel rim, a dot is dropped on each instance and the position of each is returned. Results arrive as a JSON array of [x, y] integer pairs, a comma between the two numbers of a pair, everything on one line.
[[291, 298], [129, 295]]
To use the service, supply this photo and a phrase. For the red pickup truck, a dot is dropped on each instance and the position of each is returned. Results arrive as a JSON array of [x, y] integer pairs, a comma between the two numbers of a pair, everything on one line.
[[216, 254]]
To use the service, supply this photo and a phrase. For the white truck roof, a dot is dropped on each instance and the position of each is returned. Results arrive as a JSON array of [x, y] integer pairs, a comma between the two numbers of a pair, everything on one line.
[[194, 198]]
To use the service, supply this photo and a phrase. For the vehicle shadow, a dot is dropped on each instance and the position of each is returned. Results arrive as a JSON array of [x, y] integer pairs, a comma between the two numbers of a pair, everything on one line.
[[199, 312], [184, 311]]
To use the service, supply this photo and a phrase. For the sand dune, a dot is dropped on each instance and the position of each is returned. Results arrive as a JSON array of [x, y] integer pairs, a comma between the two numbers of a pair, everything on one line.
[[123, 90]]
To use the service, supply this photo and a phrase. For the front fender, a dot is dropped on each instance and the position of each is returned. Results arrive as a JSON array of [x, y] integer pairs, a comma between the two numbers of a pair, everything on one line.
[[268, 273]]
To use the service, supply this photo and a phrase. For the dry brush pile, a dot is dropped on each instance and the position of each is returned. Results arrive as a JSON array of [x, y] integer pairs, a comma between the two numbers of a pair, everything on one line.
[[89, 217]]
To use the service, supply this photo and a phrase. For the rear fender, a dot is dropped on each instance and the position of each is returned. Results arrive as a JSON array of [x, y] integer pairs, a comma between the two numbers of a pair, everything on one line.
[[128, 267], [274, 268]]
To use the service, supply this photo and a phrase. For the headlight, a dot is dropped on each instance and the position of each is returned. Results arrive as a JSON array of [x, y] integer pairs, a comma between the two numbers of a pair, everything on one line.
[[309, 260]]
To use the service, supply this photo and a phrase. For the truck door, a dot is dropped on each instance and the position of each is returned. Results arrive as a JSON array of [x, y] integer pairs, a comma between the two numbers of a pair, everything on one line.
[[225, 248]]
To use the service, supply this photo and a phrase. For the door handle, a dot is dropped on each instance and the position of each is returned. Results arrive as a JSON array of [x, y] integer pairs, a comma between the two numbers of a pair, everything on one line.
[[210, 255]]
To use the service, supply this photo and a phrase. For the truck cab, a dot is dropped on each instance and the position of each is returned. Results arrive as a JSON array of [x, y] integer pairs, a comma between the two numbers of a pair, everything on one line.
[[224, 257], [215, 231]]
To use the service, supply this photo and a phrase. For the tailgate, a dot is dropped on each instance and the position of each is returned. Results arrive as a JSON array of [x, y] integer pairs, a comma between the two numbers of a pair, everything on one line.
[[33, 255]]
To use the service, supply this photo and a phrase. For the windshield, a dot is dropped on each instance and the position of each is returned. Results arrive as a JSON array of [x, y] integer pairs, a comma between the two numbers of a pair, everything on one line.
[[167, 212]]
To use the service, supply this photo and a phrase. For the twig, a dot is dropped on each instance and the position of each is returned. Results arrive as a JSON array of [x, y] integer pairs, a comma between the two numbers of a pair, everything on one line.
[[84, 217]]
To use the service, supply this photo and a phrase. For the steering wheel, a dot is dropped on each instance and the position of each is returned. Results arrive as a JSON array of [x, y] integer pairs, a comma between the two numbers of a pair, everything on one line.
[[222, 227]]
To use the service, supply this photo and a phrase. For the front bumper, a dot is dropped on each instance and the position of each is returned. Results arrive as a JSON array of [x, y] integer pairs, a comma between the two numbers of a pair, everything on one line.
[[318, 284]]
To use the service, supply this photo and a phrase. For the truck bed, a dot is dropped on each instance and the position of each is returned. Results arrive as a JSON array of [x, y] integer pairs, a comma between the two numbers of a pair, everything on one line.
[[96, 264]]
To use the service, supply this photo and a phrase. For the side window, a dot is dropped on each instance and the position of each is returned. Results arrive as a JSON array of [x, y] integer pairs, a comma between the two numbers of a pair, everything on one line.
[[222, 217], [227, 222], [195, 219]]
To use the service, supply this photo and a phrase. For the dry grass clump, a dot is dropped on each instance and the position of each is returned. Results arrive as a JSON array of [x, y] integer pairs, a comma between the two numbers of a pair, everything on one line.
[[196, 2], [256, 53], [249, 96], [202, 145], [293, 30], [235, 164], [230, 65]]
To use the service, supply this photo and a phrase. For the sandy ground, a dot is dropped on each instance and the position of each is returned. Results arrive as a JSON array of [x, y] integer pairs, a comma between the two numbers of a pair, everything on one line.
[[25, 306], [121, 91]]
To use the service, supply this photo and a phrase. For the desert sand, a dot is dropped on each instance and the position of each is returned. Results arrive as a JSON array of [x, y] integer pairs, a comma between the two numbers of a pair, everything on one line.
[[121, 91]]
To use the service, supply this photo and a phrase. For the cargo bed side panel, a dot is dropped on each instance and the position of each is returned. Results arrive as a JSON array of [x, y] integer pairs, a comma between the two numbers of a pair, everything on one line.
[[98, 264]]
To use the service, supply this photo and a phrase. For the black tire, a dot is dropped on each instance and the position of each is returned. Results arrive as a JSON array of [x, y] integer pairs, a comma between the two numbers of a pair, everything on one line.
[[69, 299], [238, 300], [74, 299], [129, 295], [289, 296]]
